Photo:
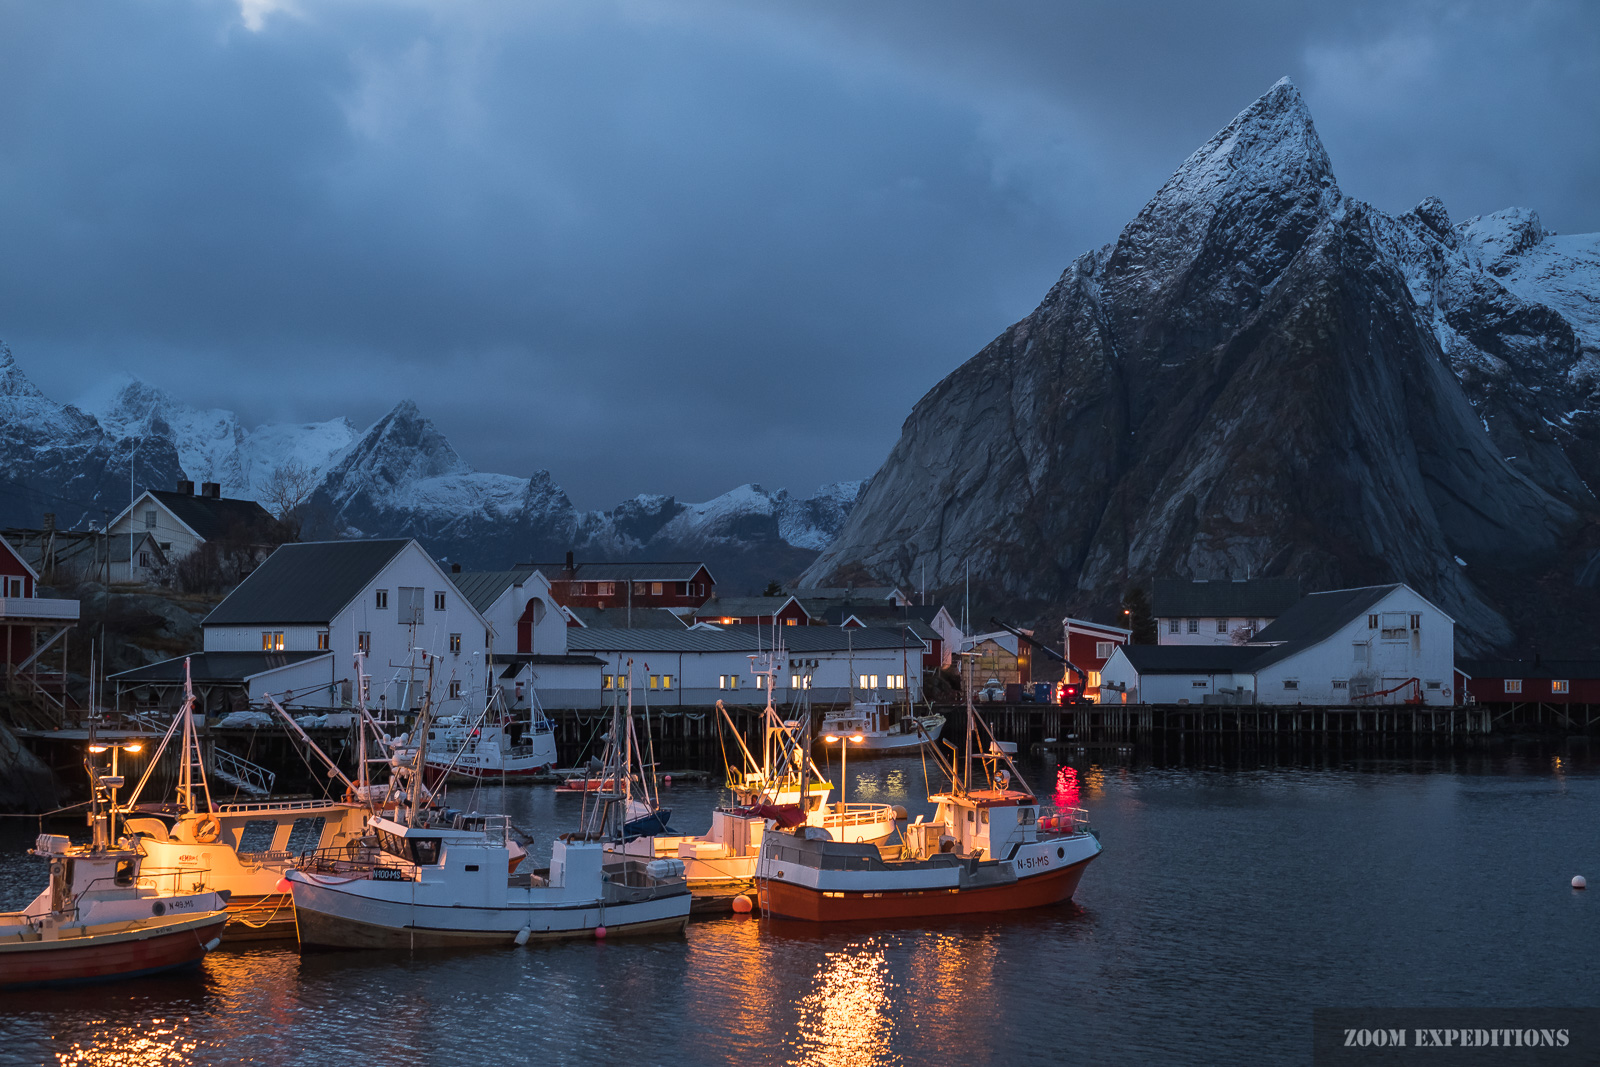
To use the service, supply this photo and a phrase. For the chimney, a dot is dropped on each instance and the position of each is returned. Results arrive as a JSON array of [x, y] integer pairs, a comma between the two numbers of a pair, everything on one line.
[[568, 571], [186, 487], [455, 568], [211, 490]]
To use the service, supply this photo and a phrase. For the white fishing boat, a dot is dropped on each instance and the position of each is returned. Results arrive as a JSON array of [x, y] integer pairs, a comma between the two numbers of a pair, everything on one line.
[[783, 787], [884, 727], [108, 911], [242, 849], [500, 743], [428, 877]]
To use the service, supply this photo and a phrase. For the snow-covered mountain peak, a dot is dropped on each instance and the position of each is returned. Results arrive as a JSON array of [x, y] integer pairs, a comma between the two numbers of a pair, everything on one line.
[[13, 382], [1498, 237]]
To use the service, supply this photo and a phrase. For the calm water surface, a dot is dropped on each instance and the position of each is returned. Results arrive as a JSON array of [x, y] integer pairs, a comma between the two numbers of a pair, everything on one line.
[[1227, 904]]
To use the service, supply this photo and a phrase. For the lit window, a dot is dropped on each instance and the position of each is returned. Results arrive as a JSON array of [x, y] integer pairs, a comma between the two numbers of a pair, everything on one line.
[[862, 682], [455, 640], [1194, 626], [605, 681], [364, 641], [794, 681], [438, 602], [381, 600], [791, 622], [666, 681], [655, 588], [1558, 685], [1103, 649], [455, 689], [322, 640], [266, 641], [1513, 685], [655, 681], [1094, 679]]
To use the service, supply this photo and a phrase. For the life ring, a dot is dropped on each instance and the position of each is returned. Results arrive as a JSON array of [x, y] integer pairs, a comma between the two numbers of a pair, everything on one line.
[[208, 830], [1447, 690]]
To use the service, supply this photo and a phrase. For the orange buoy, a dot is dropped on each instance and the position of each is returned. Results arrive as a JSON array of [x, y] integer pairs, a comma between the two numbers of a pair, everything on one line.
[[283, 884], [742, 904], [599, 933]]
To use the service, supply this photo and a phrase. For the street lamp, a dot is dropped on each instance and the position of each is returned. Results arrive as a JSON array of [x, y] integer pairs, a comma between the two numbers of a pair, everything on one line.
[[844, 753], [114, 781]]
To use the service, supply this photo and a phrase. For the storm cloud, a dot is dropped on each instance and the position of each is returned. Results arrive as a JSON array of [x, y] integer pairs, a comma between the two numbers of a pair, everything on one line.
[[673, 247]]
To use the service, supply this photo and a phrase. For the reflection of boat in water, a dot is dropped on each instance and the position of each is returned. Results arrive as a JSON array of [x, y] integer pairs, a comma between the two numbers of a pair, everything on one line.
[[107, 912], [427, 877], [883, 727], [782, 786], [987, 849], [245, 849]]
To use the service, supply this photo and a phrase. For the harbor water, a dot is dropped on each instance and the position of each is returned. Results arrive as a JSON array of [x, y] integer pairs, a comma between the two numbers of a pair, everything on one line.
[[1228, 904]]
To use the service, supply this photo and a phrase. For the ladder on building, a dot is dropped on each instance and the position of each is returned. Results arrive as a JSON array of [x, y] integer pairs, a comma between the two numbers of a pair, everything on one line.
[[246, 777]]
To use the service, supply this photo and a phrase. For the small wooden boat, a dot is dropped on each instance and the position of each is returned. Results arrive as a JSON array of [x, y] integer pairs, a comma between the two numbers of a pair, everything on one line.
[[106, 914], [882, 728]]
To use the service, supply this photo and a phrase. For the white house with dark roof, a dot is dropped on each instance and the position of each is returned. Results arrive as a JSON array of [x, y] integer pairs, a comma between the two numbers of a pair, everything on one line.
[[529, 638], [293, 627], [1223, 612], [1380, 644], [181, 521]]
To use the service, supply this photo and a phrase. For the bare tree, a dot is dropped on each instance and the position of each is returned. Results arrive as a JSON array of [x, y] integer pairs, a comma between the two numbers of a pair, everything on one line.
[[288, 490]]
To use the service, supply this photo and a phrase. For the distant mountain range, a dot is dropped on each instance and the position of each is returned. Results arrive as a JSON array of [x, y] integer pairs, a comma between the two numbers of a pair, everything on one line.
[[399, 477], [1265, 376]]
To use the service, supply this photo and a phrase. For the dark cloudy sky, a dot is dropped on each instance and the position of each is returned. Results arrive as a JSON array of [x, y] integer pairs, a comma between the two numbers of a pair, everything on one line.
[[673, 247]]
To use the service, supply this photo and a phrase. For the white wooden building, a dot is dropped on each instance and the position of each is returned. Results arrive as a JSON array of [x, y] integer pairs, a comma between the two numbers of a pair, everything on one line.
[[1379, 644], [181, 521], [1219, 612]]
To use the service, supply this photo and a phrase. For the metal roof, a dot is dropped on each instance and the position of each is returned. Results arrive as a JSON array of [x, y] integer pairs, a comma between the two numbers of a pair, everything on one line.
[[623, 572], [622, 618], [217, 517], [213, 668], [1531, 668], [737, 639], [1190, 659], [1252, 598], [863, 593], [483, 588], [741, 607], [305, 583]]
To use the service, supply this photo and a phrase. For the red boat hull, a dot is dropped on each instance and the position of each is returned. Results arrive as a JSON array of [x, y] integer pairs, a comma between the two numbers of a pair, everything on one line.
[[108, 957], [787, 901]]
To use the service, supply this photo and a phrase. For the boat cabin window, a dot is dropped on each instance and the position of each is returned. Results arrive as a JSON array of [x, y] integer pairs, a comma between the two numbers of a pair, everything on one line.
[[126, 869], [983, 816], [305, 834], [425, 851], [256, 836], [1025, 815]]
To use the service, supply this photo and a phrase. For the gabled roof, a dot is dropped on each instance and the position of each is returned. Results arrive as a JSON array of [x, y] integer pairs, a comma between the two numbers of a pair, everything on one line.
[[863, 593], [483, 588], [795, 639], [877, 613], [18, 556], [1085, 624], [210, 518], [214, 668], [911, 626], [623, 572], [742, 607], [1530, 668], [1189, 659], [1316, 618], [1253, 598], [305, 583], [622, 618]]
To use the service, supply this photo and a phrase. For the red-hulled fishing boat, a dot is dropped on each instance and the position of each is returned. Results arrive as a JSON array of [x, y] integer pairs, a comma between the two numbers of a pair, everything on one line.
[[105, 915], [988, 848]]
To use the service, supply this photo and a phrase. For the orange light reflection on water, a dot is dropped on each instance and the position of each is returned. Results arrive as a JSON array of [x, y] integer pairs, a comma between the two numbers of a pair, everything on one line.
[[150, 1045], [845, 1018]]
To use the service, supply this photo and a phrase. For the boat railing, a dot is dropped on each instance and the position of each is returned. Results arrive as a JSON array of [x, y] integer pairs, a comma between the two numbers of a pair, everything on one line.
[[359, 861], [1072, 820], [278, 805], [261, 859], [855, 814]]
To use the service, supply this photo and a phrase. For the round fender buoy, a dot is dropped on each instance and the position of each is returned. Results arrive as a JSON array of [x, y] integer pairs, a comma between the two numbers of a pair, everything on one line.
[[900, 813], [742, 904], [1579, 882], [284, 884], [666, 779], [599, 933]]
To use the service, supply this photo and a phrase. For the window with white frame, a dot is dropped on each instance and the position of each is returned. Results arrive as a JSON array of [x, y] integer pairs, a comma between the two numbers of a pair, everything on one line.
[[1094, 679], [1559, 685], [1172, 626], [661, 681], [1222, 626], [150, 519], [895, 681], [455, 689], [1341, 683], [272, 641], [1194, 626], [1291, 683], [322, 640], [727, 681], [868, 681], [655, 588], [1104, 649], [1513, 685], [455, 643], [364, 641], [380, 599], [438, 602]]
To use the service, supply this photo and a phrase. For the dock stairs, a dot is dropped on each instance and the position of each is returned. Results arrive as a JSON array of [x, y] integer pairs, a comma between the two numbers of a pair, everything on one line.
[[249, 778]]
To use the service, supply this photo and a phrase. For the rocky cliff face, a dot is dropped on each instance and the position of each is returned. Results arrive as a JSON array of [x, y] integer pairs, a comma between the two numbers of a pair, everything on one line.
[[1261, 375]]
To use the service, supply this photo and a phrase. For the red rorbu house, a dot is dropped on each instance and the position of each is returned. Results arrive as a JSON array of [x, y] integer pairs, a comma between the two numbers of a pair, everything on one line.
[[30, 627], [678, 587], [1089, 645], [1563, 682]]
